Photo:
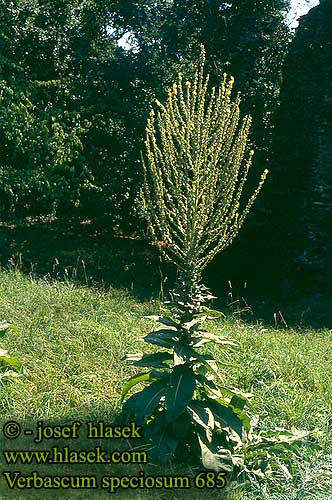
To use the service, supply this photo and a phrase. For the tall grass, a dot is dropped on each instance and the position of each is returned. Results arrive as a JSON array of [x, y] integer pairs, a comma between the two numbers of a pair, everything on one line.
[[71, 340]]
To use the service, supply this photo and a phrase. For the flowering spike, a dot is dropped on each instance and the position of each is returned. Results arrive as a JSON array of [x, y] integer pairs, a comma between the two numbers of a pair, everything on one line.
[[197, 163]]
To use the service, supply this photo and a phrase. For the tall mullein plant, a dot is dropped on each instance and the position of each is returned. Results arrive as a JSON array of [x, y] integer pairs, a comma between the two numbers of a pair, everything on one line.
[[195, 169], [196, 166]]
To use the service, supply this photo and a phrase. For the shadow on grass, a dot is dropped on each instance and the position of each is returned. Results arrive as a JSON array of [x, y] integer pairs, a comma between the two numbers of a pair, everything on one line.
[[90, 253], [85, 252]]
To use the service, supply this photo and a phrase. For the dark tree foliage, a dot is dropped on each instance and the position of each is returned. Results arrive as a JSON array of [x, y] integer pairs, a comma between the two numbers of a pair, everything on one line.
[[302, 173], [75, 101], [247, 39], [53, 60], [244, 38]]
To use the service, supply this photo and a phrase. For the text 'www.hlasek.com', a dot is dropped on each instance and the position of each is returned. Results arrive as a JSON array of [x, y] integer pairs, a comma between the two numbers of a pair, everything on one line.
[[52, 465]]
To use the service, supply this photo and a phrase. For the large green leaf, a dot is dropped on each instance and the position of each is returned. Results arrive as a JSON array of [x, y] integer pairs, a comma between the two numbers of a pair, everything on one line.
[[185, 352], [194, 322], [163, 439], [211, 314], [155, 360], [162, 338], [238, 399], [142, 404], [130, 383], [181, 425], [205, 382], [203, 416], [202, 337], [164, 448], [180, 392], [164, 320], [215, 458], [229, 416], [211, 364]]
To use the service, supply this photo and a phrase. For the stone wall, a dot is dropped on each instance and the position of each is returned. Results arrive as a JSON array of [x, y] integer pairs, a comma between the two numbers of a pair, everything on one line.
[[303, 160]]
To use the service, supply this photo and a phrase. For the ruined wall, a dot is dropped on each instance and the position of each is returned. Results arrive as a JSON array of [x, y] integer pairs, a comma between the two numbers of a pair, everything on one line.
[[303, 153]]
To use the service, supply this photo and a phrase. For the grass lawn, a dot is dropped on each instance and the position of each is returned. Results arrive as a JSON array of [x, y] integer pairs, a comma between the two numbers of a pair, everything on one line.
[[71, 340]]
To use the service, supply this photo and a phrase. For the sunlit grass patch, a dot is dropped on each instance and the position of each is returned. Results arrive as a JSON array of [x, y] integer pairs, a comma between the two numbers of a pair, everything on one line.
[[71, 340]]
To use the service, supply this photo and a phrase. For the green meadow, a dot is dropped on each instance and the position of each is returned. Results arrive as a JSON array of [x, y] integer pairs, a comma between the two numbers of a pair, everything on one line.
[[71, 340]]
